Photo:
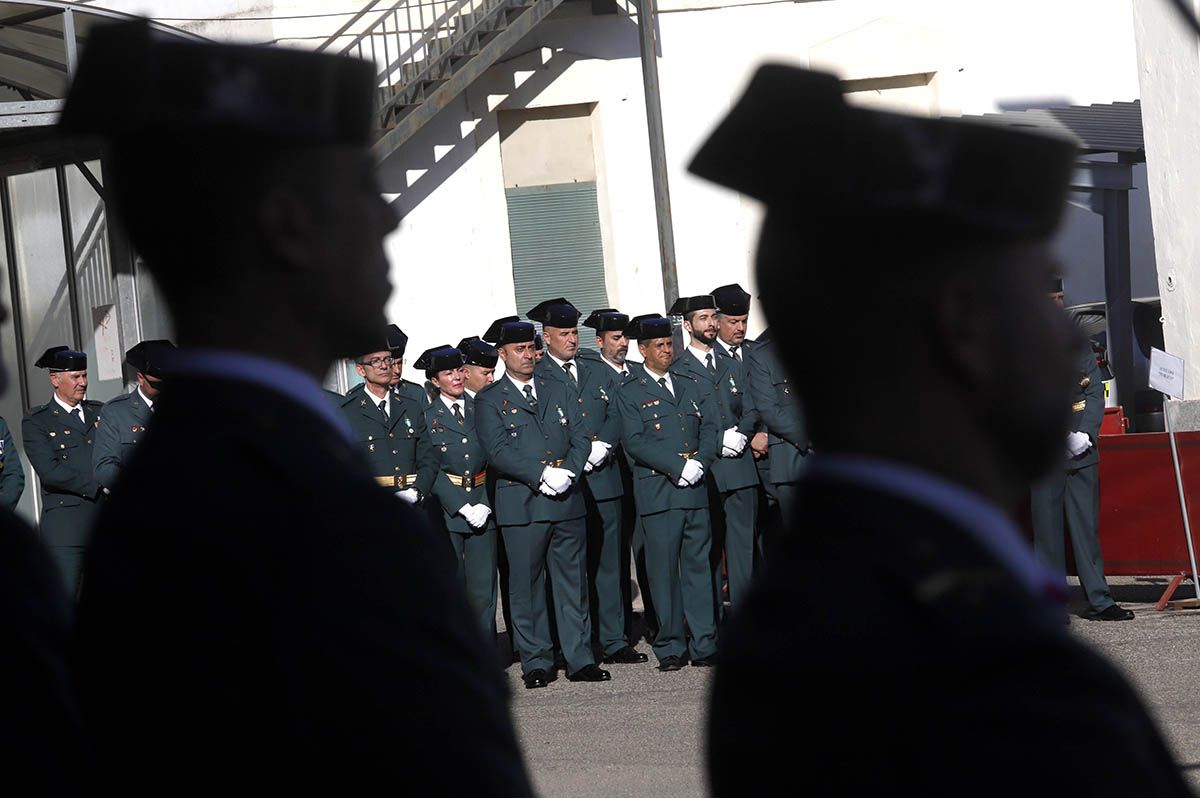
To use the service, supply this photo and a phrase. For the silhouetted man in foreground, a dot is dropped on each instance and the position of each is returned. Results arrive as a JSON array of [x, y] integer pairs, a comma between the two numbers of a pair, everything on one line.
[[908, 642], [259, 614]]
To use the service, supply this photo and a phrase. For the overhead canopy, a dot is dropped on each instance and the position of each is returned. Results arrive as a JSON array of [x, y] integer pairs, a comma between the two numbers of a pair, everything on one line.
[[1105, 127]]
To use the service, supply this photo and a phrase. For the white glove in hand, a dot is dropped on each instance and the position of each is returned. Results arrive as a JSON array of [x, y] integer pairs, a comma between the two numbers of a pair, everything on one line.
[[599, 454], [476, 515], [732, 443], [484, 511], [693, 472], [409, 495], [1078, 443], [546, 489], [558, 478]]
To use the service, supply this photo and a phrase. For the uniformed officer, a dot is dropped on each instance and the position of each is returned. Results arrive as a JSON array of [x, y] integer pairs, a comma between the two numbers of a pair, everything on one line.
[[12, 473], [460, 486], [670, 430], [390, 429], [397, 343], [779, 410], [590, 386], [537, 450], [123, 420], [732, 477], [1073, 491], [733, 316], [59, 436], [539, 347], [479, 365]]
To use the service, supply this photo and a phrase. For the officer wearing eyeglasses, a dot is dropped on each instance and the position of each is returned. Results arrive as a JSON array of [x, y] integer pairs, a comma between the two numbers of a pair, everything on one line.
[[390, 429]]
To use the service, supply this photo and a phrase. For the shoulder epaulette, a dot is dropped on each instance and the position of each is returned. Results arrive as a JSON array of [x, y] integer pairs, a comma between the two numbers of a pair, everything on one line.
[[124, 397]]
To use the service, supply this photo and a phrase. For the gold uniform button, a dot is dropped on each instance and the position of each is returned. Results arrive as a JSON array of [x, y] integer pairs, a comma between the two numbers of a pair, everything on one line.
[[464, 440]]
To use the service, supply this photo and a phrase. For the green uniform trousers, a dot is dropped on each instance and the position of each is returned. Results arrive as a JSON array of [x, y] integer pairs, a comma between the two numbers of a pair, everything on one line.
[[677, 559], [1075, 495], [735, 531], [560, 548], [608, 569], [476, 557]]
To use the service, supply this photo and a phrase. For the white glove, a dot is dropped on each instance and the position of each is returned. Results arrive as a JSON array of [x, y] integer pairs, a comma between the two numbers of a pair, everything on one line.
[[484, 511], [476, 514], [546, 489], [1078, 443], [693, 472], [559, 479], [409, 495], [599, 454], [732, 443]]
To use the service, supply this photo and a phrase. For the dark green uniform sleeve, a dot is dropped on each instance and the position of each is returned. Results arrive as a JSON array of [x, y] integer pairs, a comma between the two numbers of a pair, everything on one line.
[[495, 439], [50, 470], [639, 446], [12, 477], [709, 445], [106, 452], [581, 442], [427, 461], [751, 420], [777, 420], [1093, 411]]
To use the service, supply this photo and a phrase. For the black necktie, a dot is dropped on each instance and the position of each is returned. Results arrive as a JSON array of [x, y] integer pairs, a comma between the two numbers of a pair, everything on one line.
[[457, 413], [663, 382], [571, 374], [708, 363], [733, 350], [383, 407], [529, 397], [77, 413]]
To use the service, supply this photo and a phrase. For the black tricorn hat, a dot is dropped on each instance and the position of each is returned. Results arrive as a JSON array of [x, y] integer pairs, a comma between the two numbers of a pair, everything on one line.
[[396, 340], [793, 143], [650, 325], [732, 300], [478, 352], [509, 330], [606, 319], [62, 358], [1055, 286], [149, 357], [440, 358], [555, 313], [686, 304], [134, 80]]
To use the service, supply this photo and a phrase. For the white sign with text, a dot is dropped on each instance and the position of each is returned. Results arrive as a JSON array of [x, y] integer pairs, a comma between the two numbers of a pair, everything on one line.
[[1166, 373]]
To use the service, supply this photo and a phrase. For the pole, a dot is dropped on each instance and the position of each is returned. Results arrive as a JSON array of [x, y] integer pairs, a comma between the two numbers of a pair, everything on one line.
[[647, 38], [1187, 527]]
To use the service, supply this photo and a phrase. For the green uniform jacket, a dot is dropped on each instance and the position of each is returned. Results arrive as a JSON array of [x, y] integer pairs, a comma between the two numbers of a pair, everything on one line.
[[407, 389], [595, 395], [12, 474], [779, 409], [520, 442], [60, 451], [460, 455], [735, 408], [123, 422], [657, 430], [398, 450], [1087, 409]]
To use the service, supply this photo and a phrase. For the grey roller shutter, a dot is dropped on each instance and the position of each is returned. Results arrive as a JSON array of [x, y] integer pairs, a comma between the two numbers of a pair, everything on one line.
[[556, 249]]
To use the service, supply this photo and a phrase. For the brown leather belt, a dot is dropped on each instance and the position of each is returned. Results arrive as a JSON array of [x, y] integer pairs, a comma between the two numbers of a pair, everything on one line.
[[477, 481], [1079, 406], [553, 463], [397, 481], [688, 455]]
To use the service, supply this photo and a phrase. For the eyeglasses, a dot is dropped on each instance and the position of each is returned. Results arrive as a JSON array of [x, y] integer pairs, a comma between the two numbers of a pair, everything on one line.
[[378, 362]]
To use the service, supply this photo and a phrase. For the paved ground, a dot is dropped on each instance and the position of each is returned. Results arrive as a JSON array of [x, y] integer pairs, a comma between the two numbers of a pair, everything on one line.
[[642, 733]]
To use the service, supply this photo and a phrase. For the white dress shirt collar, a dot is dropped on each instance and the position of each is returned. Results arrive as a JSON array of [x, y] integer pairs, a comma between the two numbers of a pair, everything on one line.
[[66, 406], [149, 402], [450, 403]]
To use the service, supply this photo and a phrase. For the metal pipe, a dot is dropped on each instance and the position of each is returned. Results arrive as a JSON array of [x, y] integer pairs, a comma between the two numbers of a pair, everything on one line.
[[64, 210], [647, 38], [1187, 526], [69, 41], [10, 254], [1117, 293]]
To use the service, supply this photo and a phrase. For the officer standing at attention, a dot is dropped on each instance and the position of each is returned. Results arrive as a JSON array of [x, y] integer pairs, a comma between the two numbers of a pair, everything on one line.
[[390, 429], [787, 436], [12, 474], [537, 449], [670, 430], [479, 364], [397, 343], [461, 483], [733, 475], [59, 436], [602, 478], [1073, 491], [123, 420], [733, 316]]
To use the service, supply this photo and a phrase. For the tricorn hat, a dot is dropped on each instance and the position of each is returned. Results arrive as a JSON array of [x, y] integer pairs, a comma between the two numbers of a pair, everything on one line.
[[149, 357], [606, 319], [440, 358], [62, 358], [555, 313]]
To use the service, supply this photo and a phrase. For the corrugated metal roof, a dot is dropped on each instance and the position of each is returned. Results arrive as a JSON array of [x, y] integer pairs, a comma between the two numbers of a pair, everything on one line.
[[1107, 127]]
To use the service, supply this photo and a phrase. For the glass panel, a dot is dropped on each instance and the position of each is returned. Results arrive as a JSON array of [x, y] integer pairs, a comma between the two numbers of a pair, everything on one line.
[[41, 272], [99, 322], [155, 318]]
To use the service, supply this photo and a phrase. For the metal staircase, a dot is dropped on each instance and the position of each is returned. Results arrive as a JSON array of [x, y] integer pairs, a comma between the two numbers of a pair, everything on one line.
[[429, 51]]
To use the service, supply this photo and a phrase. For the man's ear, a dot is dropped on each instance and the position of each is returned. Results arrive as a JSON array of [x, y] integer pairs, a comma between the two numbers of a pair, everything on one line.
[[288, 222]]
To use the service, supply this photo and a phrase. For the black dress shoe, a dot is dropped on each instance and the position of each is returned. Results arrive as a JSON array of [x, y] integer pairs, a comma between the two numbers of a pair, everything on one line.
[[1114, 613], [589, 673], [536, 678], [625, 656], [670, 663], [705, 662]]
